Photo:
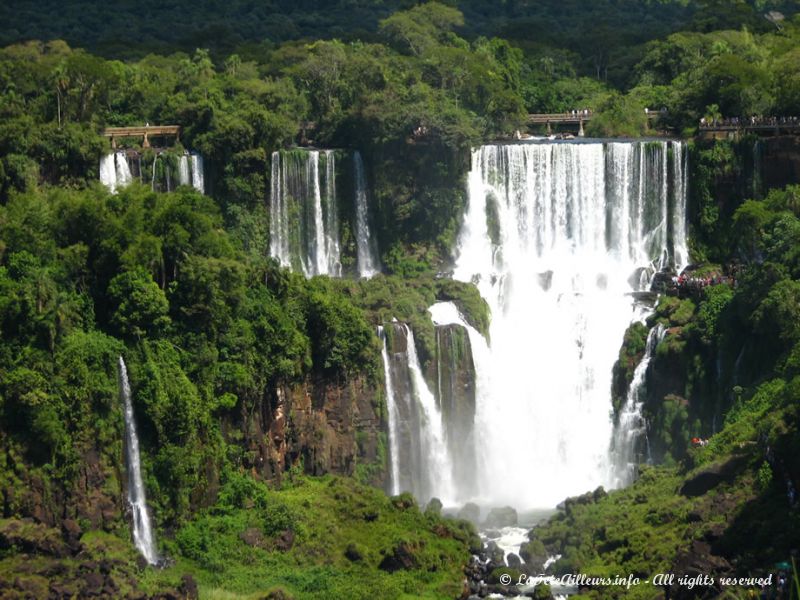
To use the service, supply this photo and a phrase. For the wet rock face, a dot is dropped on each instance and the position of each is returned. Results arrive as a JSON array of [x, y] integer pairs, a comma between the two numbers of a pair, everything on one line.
[[330, 426], [451, 377]]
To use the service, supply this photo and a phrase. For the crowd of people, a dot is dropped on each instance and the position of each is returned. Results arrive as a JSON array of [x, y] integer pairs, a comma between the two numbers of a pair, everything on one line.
[[684, 281], [752, 121]]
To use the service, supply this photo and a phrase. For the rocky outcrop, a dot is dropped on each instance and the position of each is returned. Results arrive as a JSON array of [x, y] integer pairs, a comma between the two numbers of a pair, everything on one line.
[[451, 376], [327, 427]]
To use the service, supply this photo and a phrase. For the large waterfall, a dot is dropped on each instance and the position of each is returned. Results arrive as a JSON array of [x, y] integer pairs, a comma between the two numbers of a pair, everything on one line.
[[304, 230], [557, 236], [367, 252], [143, 536], [631, 426]]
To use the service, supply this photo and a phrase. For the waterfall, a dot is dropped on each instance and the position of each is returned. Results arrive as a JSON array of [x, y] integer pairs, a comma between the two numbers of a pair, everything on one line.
[[123, 169], [630, 424], [459, 421], [153, 176], [556, 236], [304, 231], [143, 536], [420, 462], [183, 170], [679, 213], [394, 419], [198, 181], [108, 172], [115, 171], [368, 264]]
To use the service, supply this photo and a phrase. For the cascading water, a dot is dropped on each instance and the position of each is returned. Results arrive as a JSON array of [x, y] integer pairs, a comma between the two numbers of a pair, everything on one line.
[[557, 236], [630, 424], [115, 171], [184, 177], [143, 536], [108, 172], [434, 448], [368, 264], [419, 457], [680, 250], [394, 419], [198, 177], [190, 171], [459, 424], [153, 175], [303, 228]]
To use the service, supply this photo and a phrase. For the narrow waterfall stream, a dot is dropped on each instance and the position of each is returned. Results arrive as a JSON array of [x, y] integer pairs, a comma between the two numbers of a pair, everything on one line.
[[630, 426], [368, 264], [143, 535]]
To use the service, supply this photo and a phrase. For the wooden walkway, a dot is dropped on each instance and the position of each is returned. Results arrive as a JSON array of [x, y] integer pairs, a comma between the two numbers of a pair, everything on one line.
[[574, 118], [143, 132], [758, 127]]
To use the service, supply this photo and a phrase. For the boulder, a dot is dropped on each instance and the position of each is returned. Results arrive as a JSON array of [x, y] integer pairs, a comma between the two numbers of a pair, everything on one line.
[[470, 512], [188, 587], [434, 507], [402, 557], [501, 517]]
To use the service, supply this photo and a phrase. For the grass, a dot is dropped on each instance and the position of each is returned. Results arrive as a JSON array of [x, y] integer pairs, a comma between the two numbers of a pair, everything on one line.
[[343, 532]]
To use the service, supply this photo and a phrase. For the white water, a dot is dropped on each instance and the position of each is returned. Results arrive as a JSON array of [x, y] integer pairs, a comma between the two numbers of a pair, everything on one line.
[[304, 234], [198, 181], [143, 536], [184, 177], [368, 264], [434, 449], [679, 213], [114, 170], [108, 172], [394, 419], [630, 423], [576, 228]]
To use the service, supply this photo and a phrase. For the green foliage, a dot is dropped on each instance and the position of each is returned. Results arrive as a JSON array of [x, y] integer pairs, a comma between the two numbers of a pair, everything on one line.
[[142, 304], [341, 533]]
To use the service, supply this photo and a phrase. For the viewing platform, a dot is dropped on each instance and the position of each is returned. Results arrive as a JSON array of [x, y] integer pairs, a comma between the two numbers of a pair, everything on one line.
[[576, 117], [144, 132], [759, 126], [567, 118]]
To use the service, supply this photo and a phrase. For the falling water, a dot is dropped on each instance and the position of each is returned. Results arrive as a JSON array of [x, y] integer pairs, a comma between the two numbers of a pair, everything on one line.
[[153, 177], [557, 236], [123, 169], [108, 172], [630, 424], [394, 418], [198, 181], [434, 448], [419, 457], [184, 177], [115, 171], [143, 536], [461, 440], [303, 230], [679, 213], [368, 264]]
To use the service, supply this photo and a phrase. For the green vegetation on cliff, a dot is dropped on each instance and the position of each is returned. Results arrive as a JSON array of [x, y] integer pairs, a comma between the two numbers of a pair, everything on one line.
[[726, 369], [323, 537]]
